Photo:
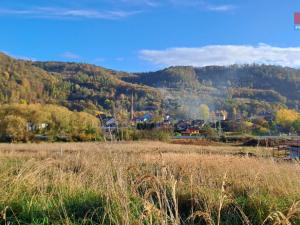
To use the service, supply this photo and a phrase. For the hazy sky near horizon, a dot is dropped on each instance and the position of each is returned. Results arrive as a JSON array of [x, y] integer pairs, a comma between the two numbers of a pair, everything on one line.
[[142, 35]]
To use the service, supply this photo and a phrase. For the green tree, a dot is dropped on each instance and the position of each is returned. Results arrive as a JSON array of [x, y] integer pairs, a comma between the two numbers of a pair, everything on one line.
[[84, 127], [14, 128], [296, 125], [204, 112], [60, 120]]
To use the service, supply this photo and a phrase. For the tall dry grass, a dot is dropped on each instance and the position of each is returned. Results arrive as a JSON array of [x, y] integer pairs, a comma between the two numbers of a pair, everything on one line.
[[144, 183]]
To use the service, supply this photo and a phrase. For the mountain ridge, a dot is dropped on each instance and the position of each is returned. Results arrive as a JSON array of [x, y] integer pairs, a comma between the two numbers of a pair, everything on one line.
[[177, 89]]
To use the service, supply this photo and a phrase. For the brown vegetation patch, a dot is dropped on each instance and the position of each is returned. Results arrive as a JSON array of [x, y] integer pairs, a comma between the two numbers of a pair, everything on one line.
[[144, 183], [201, 142]]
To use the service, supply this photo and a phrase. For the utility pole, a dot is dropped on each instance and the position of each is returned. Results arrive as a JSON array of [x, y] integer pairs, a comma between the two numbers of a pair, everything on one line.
[[132, 108]]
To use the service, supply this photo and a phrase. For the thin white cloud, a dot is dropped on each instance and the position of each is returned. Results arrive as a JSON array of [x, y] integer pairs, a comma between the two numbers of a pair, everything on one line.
[[197, 4], [115, 9], [202, 4], [151, 3], [224, 55], [70, 55], [49, 12], [220, 8]]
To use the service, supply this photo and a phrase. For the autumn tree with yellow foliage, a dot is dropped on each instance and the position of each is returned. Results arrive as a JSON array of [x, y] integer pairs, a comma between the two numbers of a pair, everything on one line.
[[287, 117], [22, 122]]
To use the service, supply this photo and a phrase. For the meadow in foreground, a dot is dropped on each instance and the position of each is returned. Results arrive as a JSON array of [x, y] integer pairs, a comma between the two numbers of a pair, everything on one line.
[[144, 183]]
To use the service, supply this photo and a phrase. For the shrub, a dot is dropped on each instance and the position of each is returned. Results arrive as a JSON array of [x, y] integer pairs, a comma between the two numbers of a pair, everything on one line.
[[136, 135], [14, 128], [21, 122]]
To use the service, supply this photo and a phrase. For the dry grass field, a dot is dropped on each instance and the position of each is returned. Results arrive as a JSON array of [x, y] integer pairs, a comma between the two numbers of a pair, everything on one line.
[[145, 183]]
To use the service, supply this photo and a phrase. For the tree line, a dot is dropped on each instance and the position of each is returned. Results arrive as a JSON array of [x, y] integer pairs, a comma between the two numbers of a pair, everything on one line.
[[23, 122]]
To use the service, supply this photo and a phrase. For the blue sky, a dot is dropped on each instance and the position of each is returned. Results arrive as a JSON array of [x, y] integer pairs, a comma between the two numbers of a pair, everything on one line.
[[142, 35]]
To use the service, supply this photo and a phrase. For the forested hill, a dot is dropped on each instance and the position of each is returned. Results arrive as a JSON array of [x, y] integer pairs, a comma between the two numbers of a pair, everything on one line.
[[248, 85], [79, 87], [283, 80], [94, 86], [21, 81], [83, 87]]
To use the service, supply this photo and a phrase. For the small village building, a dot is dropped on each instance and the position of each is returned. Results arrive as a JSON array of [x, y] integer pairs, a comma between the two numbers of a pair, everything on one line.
[[35, 127], [109, 124], [145, 118], [220, 116], [182, 126], [190, 132]]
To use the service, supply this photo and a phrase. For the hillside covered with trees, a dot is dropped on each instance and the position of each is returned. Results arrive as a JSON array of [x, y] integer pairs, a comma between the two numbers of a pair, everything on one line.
[[178, 91], [249, 89], [79, 87]]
